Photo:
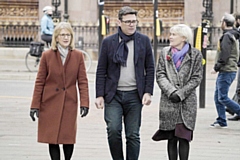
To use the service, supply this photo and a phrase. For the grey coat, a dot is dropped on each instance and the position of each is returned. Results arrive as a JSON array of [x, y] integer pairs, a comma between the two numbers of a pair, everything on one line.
[[184, 83]]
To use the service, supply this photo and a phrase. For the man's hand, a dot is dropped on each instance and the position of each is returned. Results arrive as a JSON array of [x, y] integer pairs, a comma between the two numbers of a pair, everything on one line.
[[99, 102], [213, 71], [83, 111], [34, 111], [146, 100]]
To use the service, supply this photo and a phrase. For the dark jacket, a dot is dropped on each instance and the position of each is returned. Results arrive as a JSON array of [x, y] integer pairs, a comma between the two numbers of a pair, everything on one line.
[[108, 72], [228, 51]]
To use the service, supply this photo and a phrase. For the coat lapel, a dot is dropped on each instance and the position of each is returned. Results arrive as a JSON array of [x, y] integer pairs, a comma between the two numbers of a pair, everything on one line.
[[60, 65], [186, 58], [115, 42], [136, 47]]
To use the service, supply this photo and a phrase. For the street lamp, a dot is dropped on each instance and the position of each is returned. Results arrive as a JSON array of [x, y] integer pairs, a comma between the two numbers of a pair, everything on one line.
[[231, 6], [155, 17], [65, 15], [56, 13], [206, 3], [100, 36], [208, 12], [206, 35], [207, 18]]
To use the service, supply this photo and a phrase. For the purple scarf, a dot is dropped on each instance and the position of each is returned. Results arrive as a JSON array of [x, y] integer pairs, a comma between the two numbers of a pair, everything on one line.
[[178, 56]]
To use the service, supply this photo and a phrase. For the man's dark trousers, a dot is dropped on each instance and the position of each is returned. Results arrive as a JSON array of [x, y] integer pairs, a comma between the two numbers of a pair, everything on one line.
[[126, 106]]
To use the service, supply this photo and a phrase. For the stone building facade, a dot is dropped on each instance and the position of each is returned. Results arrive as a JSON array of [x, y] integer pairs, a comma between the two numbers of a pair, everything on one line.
[[86, 11], [170, 11], [19, 19]]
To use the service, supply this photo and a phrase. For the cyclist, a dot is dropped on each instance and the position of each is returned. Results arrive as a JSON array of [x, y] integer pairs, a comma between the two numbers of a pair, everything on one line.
[[47, 25]]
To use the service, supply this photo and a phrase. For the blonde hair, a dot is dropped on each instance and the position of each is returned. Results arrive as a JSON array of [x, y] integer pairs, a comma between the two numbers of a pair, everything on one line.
[[183, 30], [56, 32]]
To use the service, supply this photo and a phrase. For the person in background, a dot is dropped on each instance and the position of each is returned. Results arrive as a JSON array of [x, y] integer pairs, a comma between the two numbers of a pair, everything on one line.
[[226, 61], [236, 96], [47, 25], [179, 72], [55, 96], [124, 83]]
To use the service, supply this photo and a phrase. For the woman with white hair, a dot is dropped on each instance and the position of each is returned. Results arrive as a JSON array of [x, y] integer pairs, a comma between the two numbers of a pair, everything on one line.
[[178, 74]]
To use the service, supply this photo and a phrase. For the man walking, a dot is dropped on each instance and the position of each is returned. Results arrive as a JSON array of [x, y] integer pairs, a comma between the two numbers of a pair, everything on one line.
[[226, 64], [124, 83], [236, 96]]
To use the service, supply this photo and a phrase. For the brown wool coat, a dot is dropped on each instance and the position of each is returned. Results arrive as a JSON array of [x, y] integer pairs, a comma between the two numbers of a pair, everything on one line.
[[56, 96]]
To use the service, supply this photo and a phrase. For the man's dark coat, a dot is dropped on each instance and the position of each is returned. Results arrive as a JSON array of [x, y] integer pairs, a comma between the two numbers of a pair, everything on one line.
[[108, 72]]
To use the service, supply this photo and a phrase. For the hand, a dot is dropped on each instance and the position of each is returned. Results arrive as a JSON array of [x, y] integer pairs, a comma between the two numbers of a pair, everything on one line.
[[99, 102], [146, 100], [34, 111], [213, 71], [83, 111], [174, 98]]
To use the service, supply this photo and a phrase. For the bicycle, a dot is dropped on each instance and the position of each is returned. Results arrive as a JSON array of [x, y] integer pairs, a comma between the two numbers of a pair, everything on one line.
[[32, 62], [87, 60], [32, 57]]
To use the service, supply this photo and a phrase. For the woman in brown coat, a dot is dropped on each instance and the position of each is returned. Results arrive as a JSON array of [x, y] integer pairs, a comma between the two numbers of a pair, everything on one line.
[[55, 98]]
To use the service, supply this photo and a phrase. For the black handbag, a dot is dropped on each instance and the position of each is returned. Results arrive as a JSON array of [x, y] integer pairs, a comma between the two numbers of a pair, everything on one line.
[[36, 49]]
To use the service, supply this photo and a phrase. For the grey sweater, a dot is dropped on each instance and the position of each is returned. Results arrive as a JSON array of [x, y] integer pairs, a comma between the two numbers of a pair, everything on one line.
[[127, 80]]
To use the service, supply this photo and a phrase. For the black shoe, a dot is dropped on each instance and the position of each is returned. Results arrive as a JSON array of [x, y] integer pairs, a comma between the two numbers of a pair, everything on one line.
[[229, 111], [234, 118]]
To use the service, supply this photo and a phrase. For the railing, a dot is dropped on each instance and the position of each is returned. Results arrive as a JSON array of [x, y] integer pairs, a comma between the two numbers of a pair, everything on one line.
[[21, 34], [87, 34], [18, 33]]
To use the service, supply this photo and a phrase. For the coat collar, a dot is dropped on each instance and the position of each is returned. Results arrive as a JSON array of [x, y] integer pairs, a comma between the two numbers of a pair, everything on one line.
[[187, 56], [59, 62]]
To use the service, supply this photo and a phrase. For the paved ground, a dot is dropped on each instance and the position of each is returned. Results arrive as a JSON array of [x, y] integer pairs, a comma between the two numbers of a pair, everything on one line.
[[18, 133]]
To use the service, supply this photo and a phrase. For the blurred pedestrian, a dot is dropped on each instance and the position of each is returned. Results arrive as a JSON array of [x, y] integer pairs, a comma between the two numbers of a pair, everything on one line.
[[55, 96], [179, 72], [124, 83], [47, 25], [226, 65], [236, 96]]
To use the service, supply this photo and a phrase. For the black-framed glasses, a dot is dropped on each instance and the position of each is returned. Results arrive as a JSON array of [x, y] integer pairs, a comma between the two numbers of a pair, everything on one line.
[[129, 22], [65, 35]]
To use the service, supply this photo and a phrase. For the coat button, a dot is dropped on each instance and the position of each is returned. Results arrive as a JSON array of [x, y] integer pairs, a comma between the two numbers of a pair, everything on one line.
[[57, 89]]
